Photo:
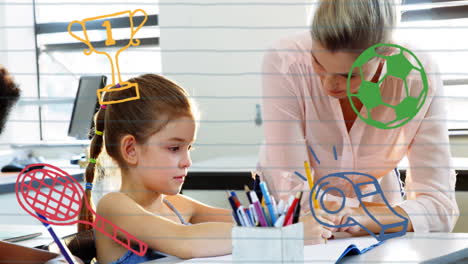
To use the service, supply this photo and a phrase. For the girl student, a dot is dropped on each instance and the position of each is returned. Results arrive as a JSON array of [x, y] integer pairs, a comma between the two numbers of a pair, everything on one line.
[[150, 140]]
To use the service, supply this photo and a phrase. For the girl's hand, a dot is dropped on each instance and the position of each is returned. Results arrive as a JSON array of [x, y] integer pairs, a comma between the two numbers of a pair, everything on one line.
[[314, 233]]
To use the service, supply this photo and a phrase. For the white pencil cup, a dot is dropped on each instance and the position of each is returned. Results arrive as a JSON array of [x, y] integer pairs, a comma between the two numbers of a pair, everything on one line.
[[268, 244]]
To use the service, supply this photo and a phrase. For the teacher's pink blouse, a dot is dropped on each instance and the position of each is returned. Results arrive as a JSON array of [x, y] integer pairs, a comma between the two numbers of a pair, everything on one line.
[[297, 114]]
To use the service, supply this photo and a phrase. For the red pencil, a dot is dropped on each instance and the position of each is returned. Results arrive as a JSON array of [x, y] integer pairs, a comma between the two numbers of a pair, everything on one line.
[[289, 214]]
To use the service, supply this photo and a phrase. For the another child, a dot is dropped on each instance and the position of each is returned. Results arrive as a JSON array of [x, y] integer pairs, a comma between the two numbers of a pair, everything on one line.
[[150, 139], [9, 252]]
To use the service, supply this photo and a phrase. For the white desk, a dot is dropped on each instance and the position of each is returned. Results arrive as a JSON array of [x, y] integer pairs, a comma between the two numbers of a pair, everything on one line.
[[412, 248], [45, 238]]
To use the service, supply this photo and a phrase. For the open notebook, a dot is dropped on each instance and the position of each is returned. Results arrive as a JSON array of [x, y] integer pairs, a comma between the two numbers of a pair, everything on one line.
[[336, 249], [331, 252]]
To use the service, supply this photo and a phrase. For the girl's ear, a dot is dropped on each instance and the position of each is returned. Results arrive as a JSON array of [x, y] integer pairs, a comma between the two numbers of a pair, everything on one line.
[[128, 150]]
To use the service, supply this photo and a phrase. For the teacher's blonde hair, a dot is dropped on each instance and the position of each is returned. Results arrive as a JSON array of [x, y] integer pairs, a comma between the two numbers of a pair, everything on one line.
[[354, 24]]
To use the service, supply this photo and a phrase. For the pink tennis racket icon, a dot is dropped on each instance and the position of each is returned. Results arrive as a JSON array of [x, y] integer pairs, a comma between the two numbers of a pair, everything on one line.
[[37, 192]]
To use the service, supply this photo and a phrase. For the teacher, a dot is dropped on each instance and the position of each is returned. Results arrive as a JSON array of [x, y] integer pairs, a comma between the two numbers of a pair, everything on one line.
[[305, 104]]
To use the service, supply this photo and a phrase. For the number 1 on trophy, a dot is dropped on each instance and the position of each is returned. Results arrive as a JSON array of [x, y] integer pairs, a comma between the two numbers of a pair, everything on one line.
[[109, 41]]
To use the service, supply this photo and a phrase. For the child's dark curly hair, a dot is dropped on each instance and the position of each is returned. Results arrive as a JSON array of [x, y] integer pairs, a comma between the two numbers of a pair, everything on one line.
[[9, 94]]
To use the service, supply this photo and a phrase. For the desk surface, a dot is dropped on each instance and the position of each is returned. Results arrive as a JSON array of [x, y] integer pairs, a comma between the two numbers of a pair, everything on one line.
[[43, 239], [412, 248]]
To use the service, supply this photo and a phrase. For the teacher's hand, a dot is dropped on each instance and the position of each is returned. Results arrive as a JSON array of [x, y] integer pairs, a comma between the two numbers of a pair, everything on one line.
[[325, 217], [340, 217], [314, 232]]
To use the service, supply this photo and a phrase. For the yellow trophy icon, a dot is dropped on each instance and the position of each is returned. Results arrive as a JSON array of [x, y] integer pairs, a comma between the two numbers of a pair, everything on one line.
[[106, 23]]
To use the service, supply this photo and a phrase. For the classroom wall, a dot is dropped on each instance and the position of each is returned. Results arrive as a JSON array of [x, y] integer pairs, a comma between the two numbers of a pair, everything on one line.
[[3, 54], [224, 79], [459, 146]]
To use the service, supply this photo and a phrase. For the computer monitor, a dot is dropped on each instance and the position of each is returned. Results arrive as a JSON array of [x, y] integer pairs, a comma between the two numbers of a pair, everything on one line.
[[85, 106]]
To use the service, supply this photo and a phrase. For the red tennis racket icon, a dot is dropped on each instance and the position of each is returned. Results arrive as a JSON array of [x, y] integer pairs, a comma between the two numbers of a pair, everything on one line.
[[37, 192]]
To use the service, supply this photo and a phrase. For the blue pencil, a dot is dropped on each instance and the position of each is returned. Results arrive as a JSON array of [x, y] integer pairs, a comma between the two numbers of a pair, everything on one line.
[[234, 209], [267, 198], [63, 248]]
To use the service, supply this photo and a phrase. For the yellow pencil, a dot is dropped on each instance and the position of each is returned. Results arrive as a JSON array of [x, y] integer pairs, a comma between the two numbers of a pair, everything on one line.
[[310, 180], [308, 174]]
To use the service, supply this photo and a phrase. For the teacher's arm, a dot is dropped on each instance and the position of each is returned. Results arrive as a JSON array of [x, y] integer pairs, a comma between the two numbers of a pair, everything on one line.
[[283, 102], [430, 178]]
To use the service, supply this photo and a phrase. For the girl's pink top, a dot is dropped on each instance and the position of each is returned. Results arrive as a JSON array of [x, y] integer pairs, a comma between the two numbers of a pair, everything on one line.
[[297, 114]]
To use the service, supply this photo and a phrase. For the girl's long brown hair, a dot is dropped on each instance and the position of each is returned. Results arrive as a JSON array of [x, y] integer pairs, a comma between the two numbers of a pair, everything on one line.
[[161, 101]]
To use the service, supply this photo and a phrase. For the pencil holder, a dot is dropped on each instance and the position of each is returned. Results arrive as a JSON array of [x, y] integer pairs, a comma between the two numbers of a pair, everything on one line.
[[268, 244]]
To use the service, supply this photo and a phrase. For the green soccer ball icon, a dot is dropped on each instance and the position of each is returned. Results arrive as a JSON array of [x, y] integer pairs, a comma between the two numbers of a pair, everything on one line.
[[397, 111]]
